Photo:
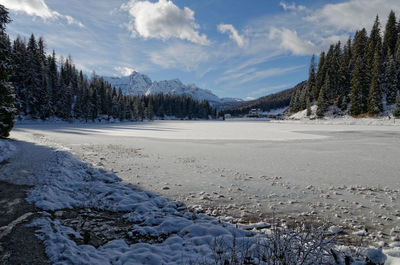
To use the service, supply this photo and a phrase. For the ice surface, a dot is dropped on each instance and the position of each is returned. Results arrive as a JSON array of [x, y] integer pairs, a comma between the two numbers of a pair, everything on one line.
[[345, 173]]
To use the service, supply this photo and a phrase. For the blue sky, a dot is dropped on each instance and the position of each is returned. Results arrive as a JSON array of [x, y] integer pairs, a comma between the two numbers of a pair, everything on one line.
[[235, 48]]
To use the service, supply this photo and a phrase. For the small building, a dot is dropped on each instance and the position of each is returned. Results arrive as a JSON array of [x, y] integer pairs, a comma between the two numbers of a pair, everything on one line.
[[255, 113], [227, 116]]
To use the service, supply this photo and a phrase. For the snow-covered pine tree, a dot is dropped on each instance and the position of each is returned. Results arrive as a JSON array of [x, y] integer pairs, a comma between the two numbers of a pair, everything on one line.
[[308, 105], [397, 61], [390, 36], [53, 79], [311, 76], [121, 106], [357, 84], [141, 109], [323, 101], [360, 79], [344, 75], [320, 76], [303, 98], [17, 77], [375, 94], [374, 41], [44, 109], [295, 101], [390, 80], [333, 67], [32, 78], [7, 97], [150, 110], [396, 110]]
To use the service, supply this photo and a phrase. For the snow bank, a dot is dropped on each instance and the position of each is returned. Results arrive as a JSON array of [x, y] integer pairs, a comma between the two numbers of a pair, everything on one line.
[[71, 183], [340, 118], [393, 256], [7, 149]]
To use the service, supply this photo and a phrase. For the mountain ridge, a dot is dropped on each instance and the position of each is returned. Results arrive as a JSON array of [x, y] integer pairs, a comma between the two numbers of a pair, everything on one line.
[[137, 84]]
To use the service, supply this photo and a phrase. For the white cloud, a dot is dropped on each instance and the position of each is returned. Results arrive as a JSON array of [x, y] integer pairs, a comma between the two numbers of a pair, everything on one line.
[[354, 14], [233, 34], [290, 41], [163, 20], [292, 7], [123, 70], [37, 8]]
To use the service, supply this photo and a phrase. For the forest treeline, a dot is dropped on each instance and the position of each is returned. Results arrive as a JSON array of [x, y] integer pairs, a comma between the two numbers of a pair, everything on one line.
[[37, 85], [359, 78], [274, 101], [47, 88]]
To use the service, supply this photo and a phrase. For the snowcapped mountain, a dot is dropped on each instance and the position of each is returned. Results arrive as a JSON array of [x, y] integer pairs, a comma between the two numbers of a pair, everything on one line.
[[139, 84], [135, 84]]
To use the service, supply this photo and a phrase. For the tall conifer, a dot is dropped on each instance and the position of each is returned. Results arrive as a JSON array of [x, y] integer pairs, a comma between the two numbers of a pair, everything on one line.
[[7, 109]]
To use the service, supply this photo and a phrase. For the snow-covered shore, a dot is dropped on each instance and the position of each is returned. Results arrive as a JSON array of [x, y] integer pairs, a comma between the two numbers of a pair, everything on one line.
[[386, 119]]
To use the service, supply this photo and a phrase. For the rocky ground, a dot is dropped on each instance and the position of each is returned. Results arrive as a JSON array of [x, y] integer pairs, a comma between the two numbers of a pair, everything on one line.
[[18, 243]]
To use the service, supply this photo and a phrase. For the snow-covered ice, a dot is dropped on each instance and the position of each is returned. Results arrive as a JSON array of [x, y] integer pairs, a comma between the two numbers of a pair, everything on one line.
[[344, 174]]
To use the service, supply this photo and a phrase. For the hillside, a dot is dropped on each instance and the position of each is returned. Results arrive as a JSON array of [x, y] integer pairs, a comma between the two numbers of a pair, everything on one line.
[[266, 103]]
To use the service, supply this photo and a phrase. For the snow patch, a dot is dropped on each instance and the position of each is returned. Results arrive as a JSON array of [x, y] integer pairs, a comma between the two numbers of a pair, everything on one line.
[[7, 149]]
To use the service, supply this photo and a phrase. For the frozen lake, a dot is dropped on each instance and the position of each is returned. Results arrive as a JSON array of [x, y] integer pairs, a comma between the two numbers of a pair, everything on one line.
[[341, 174]]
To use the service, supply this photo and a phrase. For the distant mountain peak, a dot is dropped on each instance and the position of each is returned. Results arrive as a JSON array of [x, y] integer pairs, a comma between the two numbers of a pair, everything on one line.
[[137, 84]]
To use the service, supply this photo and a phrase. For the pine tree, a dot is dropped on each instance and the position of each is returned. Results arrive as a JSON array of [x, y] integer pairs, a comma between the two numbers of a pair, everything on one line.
[[360, 79], [396, 110], [308, 104], [141, 109], [44, 109], [32, 78], [150, 111], [397, 61], [53, 80], [390, 36], [333, 70], [303, 99], [343, 103], [295, 101], [17, 78], [323, 102], [7, 109], [374, 43], [319, 78], [344, 75], [390, 82], [375, 95], [397, 50], [311, 76], [357, 84]]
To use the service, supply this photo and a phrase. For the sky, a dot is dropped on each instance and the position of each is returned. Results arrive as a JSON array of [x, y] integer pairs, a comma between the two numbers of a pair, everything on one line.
[[235, 48]]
